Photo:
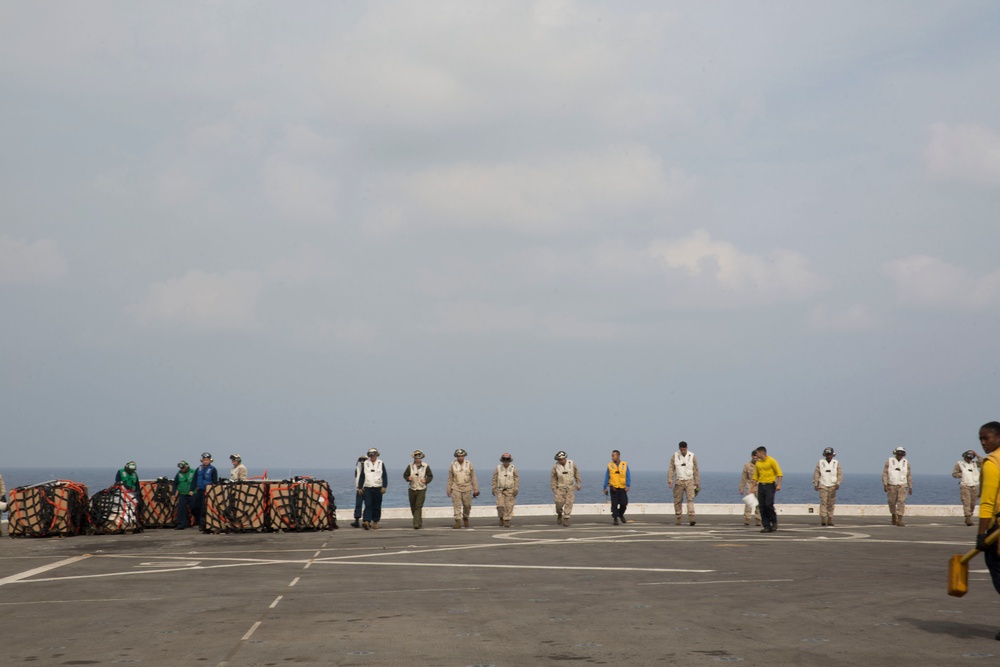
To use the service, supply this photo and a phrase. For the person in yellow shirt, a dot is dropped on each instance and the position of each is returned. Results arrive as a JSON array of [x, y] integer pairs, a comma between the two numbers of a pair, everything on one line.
[[989, 499], [766, 482]]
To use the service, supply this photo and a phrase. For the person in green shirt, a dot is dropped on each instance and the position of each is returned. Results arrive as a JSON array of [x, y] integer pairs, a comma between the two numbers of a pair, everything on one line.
[[184, 488], [128, 477], [766, 482]]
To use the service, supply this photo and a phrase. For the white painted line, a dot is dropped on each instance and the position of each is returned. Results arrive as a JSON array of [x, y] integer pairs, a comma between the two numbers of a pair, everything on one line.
[[515, 567], [144, 599], [306, 566], [276, 601], [44, 568], [250, 631], [133, 572], [294, 581], [719, 581], [317, 553], [190, 563]]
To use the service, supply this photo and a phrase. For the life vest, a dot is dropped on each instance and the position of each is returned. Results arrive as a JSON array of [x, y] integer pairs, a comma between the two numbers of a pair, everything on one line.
[[461, 473], [683, 466], [373, 473], [505, 477], [129, 480], [970, 474], [185, 482], [205, 475], [417, 475], [565, 476], [617, 474], [828, 472], [898, 471]]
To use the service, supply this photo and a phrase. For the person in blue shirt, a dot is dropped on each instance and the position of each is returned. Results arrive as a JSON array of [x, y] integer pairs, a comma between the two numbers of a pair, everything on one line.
[[204, 476]]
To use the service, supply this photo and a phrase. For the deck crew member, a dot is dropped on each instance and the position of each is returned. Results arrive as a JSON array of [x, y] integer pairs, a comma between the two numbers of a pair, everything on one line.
[[505, 485], [204, 476], [359, 499], [766, 482], [967, 473], [184, 487], [128, 477], [617, 480], [238, 473], [462, 487], [897, 481], [746, 482], [419, 475], [565, 483], [684, 479], [989, 500], [827, 478], [372, 485]]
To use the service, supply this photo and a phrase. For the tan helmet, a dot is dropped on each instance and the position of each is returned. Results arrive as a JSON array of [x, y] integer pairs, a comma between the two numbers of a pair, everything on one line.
[[373, 452], [417, 454]]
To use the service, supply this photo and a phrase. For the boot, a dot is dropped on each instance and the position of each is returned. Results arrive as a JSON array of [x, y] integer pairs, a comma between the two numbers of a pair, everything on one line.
[[465, 521], [374, 525], [678, 521], [691, 519], [364, 524], [968, 520], [458, 524], [894, 520], [822, 522], [899, 520], [616, 521], [558, 519], [829, 521], [506, 523], [565, 522], [501, 522], [355, 524]]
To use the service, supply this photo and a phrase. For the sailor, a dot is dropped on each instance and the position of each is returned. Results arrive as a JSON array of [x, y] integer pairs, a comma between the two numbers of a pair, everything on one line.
[[359, 499], [204, 476], [372, 485], [462, 487], [617, 478], [565, 483], [766, 482], [967, 473], [827, 478], [239, 471], [505, 485], [989, 500], [897, 481], [746, 482], [184, 488], [127, 477], [419, 475], [684, 479]]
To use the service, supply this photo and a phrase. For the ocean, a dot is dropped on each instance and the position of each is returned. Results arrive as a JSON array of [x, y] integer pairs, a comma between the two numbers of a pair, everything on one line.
[[649, 486]]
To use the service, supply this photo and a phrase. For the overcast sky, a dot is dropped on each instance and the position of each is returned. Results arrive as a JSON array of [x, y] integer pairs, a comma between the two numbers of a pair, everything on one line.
[[300, 231]]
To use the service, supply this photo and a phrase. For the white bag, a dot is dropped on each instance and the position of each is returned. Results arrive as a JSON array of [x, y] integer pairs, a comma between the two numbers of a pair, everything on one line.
[[750, 500]]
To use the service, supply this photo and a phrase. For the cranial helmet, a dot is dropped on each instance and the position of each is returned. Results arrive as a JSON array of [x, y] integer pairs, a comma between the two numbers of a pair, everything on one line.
[[207, 455], [461, 452], [373, 452], [236, 457], [560, 455]]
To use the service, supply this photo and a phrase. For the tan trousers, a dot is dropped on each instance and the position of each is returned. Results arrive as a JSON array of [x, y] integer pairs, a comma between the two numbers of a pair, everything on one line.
[[682, 488], [969, 496], [897, 500], [505, 503], [564, 496], [747, 514], [827, 499], [461, 501]]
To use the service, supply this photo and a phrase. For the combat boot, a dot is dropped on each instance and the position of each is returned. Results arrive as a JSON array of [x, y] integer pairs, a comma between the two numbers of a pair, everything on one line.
[[894, 520], [501, 521], [565, 522], [458, 524], [558, 519], [465, 521], [506, 523], [678, 521]]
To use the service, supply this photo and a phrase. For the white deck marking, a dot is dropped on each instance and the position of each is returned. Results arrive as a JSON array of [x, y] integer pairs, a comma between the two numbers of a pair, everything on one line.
[[514, 567], [143, 599], [718, 581], [14, 578], [276, 601], [251, 631], [294, 581]]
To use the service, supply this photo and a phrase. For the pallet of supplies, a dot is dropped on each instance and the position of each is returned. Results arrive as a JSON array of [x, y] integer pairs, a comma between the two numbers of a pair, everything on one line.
[[48, 509], [115, 510], [236, 507], [302, 503], [159, 504]]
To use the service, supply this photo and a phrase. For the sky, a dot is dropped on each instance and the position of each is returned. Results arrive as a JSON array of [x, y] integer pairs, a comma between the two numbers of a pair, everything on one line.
[[503, 226]]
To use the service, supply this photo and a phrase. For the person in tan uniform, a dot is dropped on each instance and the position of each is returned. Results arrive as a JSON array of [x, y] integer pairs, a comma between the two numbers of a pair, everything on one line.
[[967, 473], [565, 483], [746, 482], [827, 478], [238, 473], [419, 475], [897, 480], [3, 496], [462, 487], [684, 479], [506, 483]]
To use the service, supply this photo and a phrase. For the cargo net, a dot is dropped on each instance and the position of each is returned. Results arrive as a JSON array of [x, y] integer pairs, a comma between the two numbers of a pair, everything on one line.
[[302, 503], [236, 507], [159, 505], [56, 508], [115, 510]]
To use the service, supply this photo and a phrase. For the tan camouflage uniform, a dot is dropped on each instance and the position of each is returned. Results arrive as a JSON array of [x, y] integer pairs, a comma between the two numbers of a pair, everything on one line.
[[826, 478], [565, 481], [462, 483], [746, 479], [506, 483], [968, 486], [419, 476], [897, 479], [683, 469]]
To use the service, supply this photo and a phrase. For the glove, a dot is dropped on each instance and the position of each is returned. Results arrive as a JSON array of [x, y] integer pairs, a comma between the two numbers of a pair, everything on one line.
[[981, 543]]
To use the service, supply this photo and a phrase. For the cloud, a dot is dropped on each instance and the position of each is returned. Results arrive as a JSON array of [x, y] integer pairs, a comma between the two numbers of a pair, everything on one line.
[[546, 196], [856, 317], [969, 153], [24, 263], [201, 301], [724, 269], [924, 281]]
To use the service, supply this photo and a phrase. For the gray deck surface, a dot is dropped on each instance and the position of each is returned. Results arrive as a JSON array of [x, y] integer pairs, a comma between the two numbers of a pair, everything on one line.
[[646, 593]]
